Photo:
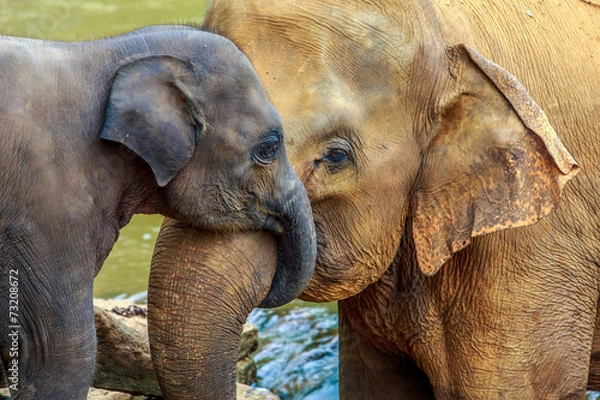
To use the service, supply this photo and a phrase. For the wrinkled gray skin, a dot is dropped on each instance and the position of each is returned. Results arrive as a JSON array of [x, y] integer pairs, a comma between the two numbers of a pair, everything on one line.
[[165, 120]]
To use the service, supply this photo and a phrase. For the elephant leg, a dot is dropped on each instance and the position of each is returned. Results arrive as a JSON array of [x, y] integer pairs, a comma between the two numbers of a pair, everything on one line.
[[369, 373], [49, 343], [594, 371]]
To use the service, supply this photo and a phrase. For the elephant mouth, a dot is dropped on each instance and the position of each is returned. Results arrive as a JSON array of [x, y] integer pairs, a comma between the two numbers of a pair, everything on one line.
[[337, 275]]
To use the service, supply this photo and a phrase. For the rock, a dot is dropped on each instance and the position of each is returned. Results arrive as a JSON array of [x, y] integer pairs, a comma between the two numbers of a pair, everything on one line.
[[123, 360], [245, 392], [246, 367], [246, 371], [248, 341], [102, 394]]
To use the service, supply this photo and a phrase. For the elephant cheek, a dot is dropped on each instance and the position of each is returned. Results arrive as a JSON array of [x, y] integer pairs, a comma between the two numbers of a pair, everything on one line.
[[337, 283], [319, 293], [343, 271]]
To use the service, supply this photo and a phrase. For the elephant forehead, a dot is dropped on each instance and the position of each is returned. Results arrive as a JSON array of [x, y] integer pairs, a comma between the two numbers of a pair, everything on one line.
[[359, 42], [354, 20], [312, 115]]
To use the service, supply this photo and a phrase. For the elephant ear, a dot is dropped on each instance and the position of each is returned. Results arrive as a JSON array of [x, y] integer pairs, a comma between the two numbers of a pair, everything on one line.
[[151, 112], [495, 162]]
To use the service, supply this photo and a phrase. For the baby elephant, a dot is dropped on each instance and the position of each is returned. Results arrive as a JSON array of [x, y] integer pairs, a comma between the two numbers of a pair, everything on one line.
[[167, 120]]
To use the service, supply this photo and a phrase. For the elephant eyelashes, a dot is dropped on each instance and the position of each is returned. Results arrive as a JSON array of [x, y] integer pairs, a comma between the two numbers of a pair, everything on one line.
[[340, 150], [266, 151], [336, 158]]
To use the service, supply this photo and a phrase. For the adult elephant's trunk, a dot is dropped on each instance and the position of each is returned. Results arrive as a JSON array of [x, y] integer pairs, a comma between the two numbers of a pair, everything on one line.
[[202, 287]]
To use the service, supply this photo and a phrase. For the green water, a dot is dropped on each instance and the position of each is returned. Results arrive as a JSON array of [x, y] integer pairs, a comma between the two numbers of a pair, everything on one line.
[[81, 20], [126, 270]]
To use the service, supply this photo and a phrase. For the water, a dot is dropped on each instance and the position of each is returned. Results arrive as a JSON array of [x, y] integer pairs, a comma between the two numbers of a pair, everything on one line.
[[79, 20], [125, 272], [298, 351]]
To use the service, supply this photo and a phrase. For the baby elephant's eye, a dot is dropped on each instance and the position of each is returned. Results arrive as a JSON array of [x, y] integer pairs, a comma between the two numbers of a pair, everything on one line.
[[266, 151]]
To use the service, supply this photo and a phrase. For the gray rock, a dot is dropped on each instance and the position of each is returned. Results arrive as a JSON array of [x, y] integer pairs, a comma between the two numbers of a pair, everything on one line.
[[245, 392], [102, 394]]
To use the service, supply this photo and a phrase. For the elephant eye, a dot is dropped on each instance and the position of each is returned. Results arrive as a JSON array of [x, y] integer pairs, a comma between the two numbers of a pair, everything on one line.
[[266, 151], [336, 159], [336, 156], [340, 151]]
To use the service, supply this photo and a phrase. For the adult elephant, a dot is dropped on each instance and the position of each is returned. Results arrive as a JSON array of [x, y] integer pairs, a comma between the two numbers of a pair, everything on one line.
[[166, 120], [417, 152]]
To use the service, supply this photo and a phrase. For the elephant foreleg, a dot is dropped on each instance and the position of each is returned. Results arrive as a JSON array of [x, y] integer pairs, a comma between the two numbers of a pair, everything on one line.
[[49, 343], [594, 371], [369, 373]]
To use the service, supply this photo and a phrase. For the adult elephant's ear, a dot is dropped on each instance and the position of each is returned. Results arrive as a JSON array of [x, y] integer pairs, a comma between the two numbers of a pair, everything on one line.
[[150, 110], [494, 162]]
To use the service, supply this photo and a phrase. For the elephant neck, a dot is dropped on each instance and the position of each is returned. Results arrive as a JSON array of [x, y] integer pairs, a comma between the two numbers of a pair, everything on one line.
[[138, 193], [397, 298], [403, 310], [132, 190]]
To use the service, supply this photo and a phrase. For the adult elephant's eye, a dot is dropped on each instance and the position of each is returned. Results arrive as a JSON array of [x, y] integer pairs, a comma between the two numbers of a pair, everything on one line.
[[336, 156], [266, 151]]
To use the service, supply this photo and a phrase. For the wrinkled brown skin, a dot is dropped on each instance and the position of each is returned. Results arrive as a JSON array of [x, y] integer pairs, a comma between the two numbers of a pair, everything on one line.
[[196, 327], [166, 120], [445, 152]]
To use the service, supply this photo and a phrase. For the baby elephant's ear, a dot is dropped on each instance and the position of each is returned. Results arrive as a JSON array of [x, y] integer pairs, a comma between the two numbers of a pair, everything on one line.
[[151, 112], [494, 163]]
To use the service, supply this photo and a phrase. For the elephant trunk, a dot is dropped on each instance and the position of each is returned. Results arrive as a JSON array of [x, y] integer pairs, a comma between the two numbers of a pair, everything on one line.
[[202, 287], [296, 244]]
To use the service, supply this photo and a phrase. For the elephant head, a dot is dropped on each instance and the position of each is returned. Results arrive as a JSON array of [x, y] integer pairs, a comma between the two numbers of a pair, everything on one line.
[[208, 131], [395, 134]]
